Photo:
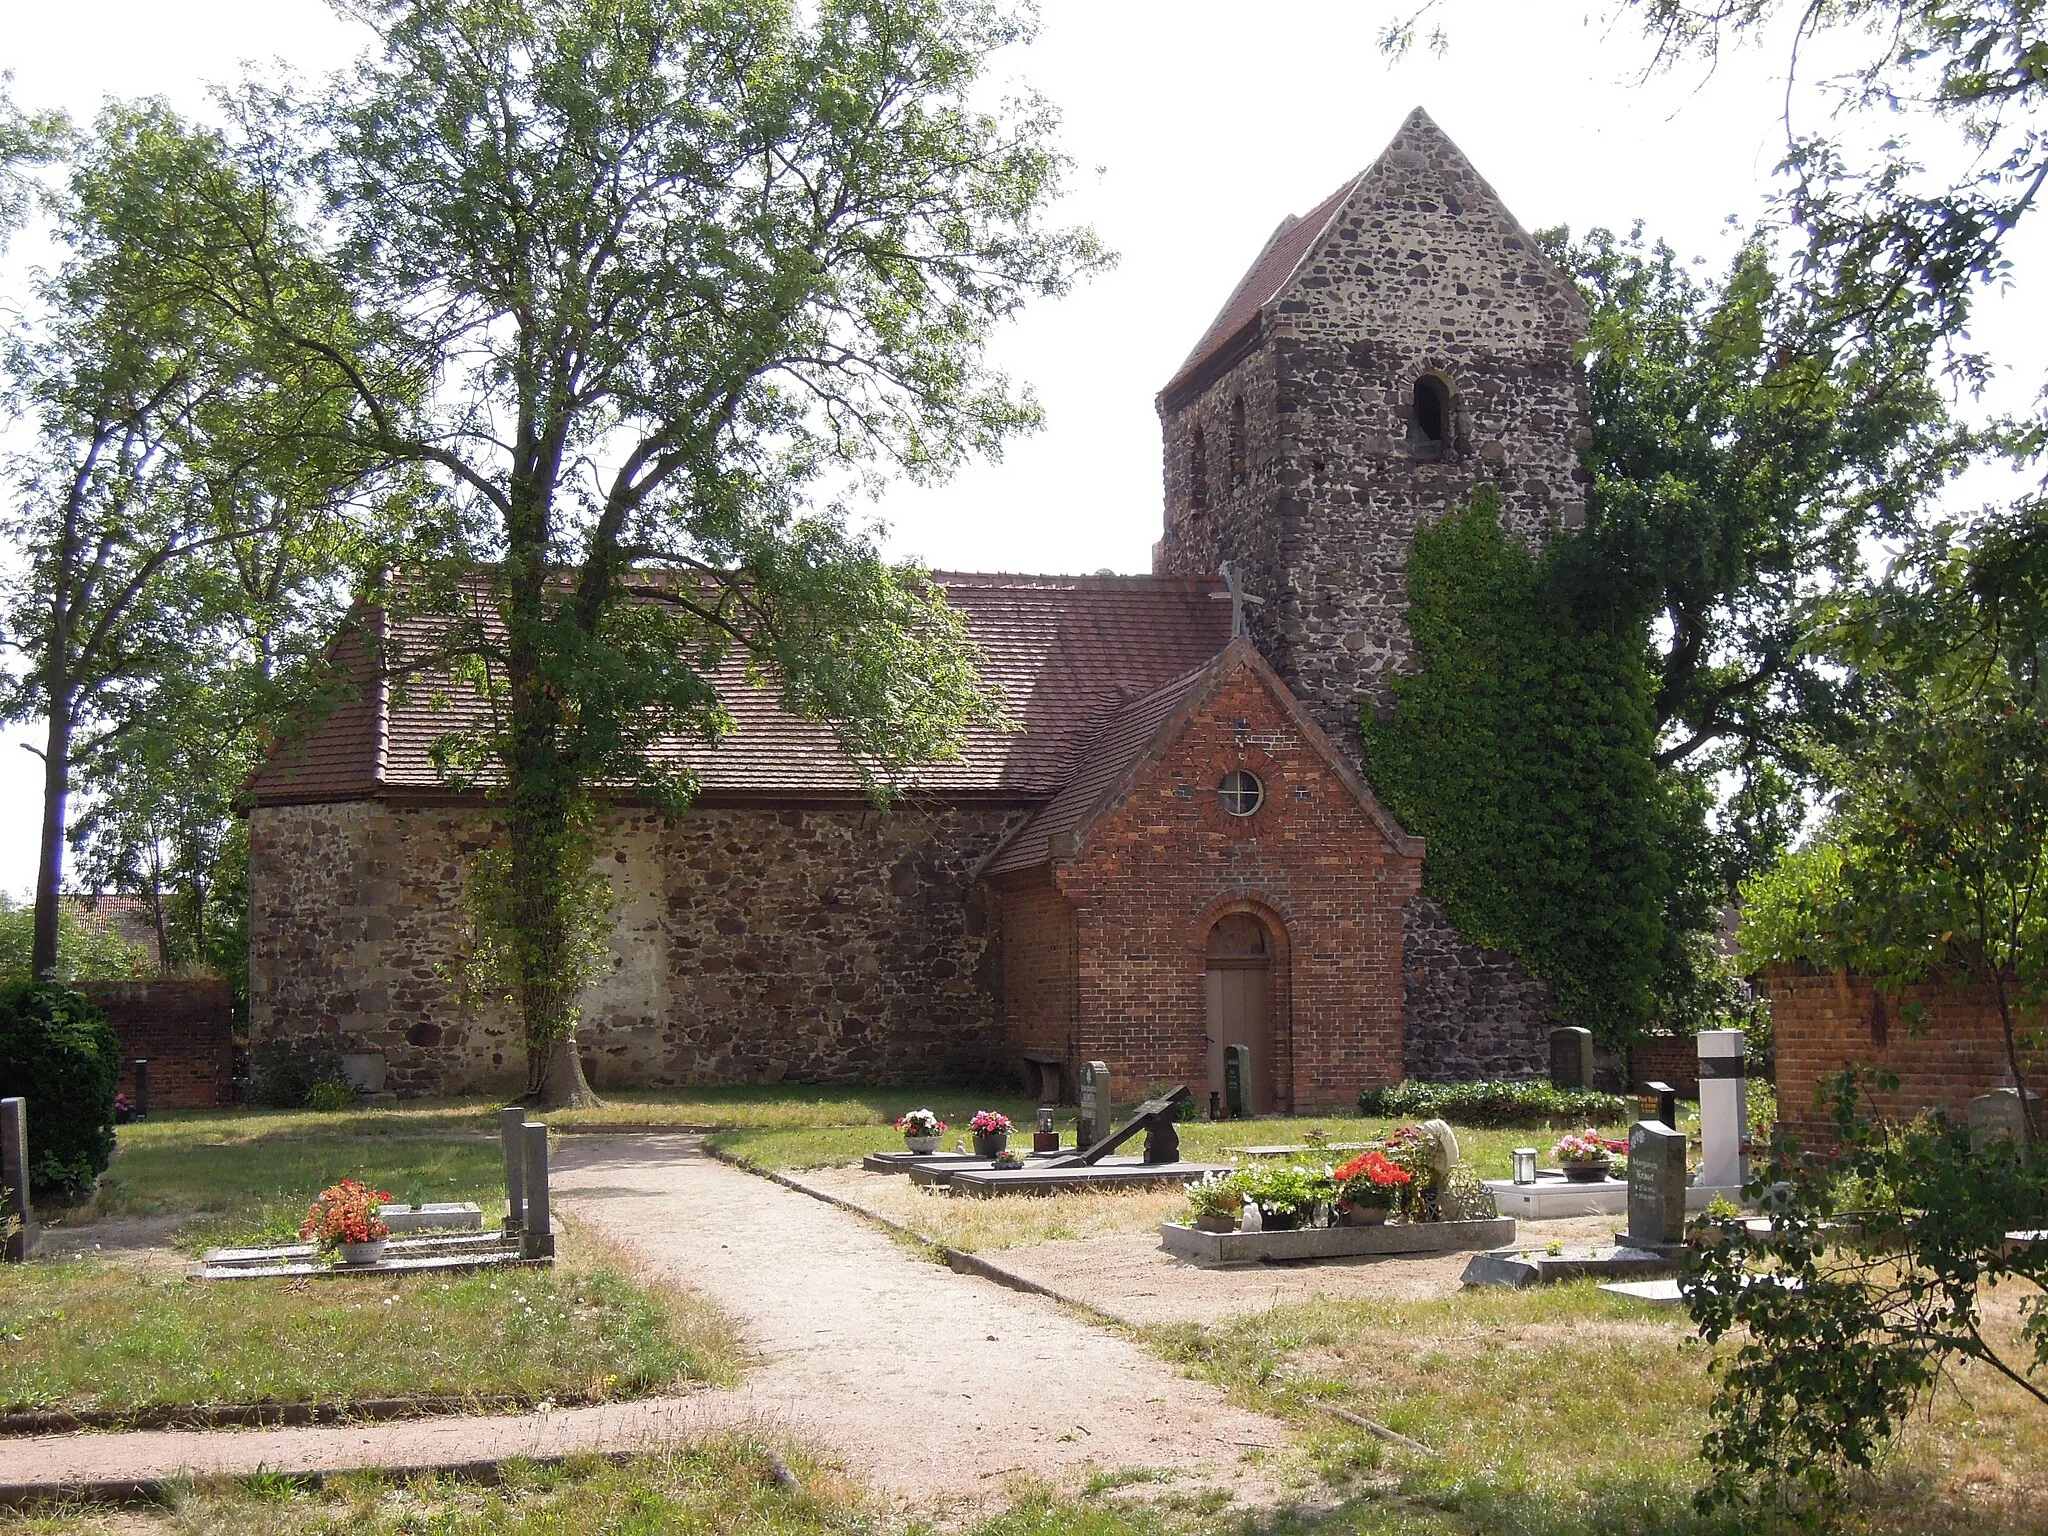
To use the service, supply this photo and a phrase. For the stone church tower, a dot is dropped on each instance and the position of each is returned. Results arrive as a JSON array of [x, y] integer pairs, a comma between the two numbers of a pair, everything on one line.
[[1398, 347]]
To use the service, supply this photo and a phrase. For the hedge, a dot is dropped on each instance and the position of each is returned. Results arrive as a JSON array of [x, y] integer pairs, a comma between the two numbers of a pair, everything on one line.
[[58, 1052], [1495, 1105]]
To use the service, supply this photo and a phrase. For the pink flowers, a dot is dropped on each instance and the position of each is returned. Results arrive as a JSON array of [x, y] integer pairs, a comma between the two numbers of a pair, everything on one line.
[[1586, 1147], [987, 1122]]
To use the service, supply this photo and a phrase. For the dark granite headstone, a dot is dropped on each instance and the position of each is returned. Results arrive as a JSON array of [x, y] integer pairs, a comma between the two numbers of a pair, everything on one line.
[[1095, 1103], [1571, 1057], [141, 1110], [1659, 1101], [1237, 1075], [1656, 1185], [536, 1233], [512, 1135], [14, 1175]]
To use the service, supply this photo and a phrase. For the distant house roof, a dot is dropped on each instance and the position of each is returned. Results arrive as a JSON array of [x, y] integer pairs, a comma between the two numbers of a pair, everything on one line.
[[128, 917], [1067, 654], [1113, 760]]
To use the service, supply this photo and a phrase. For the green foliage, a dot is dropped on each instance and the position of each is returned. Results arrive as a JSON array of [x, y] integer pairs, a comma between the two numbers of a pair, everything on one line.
[[1866, 1287], [58, 1052], [285, 1073], [1284, 1191], [83, 953], [1495, 1105], [1523, 752], [330, 1094]]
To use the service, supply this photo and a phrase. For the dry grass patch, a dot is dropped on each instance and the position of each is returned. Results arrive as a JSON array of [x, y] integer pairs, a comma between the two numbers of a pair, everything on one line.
[[1016, 1221]]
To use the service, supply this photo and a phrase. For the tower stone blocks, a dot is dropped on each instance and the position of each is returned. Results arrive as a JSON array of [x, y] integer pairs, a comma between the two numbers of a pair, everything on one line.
[[1399, 347]]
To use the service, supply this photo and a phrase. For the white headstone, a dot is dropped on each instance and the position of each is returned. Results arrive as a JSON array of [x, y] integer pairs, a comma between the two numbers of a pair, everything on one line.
[[1724, 1108]]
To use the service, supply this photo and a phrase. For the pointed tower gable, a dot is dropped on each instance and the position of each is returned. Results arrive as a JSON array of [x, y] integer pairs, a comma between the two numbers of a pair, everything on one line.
[[1400, 347]]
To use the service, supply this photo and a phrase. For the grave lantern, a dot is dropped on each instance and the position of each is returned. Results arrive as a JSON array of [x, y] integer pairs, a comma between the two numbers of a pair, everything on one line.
[[1525, 1165], [1045, 1136]]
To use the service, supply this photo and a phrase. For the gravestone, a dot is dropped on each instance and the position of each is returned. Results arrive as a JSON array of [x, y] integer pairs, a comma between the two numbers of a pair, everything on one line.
[[512, 1136], [1237, 1077], [1995, 1116], [14, 1174], [1724, 1108], [1571, 1057], [141, 1110], [1656, 1185], [1095, 1103], [536, 1235], [1659, 1101]]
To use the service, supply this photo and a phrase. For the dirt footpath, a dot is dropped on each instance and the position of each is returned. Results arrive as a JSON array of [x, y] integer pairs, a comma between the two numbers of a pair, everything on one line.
[[932, 1386]]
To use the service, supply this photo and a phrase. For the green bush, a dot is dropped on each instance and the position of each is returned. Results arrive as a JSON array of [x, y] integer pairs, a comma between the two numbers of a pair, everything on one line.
[[58, 1052], [284, 1073], [1494, 1105], [331, 1093]]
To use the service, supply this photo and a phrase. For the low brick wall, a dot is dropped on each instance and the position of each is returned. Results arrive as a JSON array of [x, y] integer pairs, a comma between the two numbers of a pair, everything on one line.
[[1673, 1059], [185, 1030], [1954, 1052]]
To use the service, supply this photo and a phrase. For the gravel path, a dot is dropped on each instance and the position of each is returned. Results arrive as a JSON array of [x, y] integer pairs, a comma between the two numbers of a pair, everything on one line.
[[932, 1387]]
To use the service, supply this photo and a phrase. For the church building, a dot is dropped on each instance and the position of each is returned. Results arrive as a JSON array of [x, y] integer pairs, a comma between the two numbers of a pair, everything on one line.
[[1178, 850]]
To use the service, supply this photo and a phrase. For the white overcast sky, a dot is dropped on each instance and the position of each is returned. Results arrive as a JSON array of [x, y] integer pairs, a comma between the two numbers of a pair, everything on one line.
[[1196, 126]]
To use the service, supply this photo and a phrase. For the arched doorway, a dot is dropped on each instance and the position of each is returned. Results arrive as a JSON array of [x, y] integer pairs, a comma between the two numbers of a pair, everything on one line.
[[1240, 981]]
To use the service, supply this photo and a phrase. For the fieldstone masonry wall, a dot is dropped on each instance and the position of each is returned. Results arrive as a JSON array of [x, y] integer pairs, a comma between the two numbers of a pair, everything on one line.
[[830, 944], [1468, 1013]]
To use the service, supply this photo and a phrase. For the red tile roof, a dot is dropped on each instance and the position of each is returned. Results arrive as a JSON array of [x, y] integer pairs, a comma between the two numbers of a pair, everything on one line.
[[1067, 654], [1269, 274]]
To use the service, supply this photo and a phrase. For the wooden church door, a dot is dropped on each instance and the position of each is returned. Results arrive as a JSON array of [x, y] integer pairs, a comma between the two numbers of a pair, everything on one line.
[[1240, 989]]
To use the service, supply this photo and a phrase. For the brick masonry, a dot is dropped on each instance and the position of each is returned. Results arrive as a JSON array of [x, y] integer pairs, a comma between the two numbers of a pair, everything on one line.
[[1951, 1053], [1135, 902], [184, 1029], [1673, 1059], [1467, 1012], [750, 945]]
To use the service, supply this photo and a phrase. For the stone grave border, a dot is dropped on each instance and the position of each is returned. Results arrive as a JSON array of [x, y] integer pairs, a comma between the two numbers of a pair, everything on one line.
[[1404, 1238]]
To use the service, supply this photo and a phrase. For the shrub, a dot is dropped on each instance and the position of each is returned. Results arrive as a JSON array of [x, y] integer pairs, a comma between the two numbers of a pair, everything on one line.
[[59, 1053], [282, 1073], [331, 1093], [1494, 1105]]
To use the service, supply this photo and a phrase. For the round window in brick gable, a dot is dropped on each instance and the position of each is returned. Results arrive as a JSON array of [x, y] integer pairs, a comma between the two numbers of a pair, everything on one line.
[[1241, 792]]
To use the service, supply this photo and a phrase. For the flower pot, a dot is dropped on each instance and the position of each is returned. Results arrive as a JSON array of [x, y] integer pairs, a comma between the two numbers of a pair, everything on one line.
[[1365, 1215], [1280, 1221], [989, 1143], [1216, 1223], [361, 1253], [921, 1144], [1585, 1173]]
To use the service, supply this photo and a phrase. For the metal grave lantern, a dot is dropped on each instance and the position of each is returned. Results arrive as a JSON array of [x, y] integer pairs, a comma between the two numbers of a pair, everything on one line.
[[1525, 1165]]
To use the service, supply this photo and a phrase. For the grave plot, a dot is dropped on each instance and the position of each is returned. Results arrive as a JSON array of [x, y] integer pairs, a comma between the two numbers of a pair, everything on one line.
[[1091, 1166], [525, 1240], [1649, 1249]]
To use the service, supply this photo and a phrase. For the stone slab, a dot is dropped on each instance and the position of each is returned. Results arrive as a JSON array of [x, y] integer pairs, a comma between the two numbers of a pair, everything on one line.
[[1658, 1293], [1333, 1242], [1518, 1267], [906, 1162], [1135, 1174], [399, 1247], [1308, 1148], [435, 1216], [303, 1269], [1551, 1198]]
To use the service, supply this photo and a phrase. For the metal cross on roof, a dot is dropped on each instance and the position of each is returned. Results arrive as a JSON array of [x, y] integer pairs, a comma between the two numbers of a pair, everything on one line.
[[1236, 598]]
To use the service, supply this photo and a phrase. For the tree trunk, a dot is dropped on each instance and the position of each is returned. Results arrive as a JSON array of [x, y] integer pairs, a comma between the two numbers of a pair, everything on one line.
[[2019, 1078], [50, 854]]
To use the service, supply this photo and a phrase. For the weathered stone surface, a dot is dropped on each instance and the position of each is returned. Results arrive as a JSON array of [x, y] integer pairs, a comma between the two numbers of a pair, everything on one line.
[[834, 944], [1467, 1012]]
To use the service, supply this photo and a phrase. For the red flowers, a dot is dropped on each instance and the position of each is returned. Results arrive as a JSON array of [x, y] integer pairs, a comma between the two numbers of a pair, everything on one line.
[[345, 1213], [1370, 1179]]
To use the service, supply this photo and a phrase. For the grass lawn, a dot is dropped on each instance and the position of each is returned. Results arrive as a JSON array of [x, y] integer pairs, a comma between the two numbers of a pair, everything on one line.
[[116, 1336], [85, 1335], [1565, 1410]]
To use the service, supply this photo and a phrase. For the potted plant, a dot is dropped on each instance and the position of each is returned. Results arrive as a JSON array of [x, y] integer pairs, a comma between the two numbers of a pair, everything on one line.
[[1010, 1157], [345, 1219], [991, 1132], [1367, 1187], [1584, 1158], [1216, 1201], [1287, 1193], [921, 1131]]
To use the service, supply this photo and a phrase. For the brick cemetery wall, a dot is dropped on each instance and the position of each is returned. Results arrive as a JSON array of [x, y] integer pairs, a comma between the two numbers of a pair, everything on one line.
[[184, 1029], [825, 944], [1955, 1052]]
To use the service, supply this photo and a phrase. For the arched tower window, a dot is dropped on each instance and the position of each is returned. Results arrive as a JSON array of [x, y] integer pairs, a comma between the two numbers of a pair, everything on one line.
[[1236, 441], [1198, 472], [1432, 412]]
